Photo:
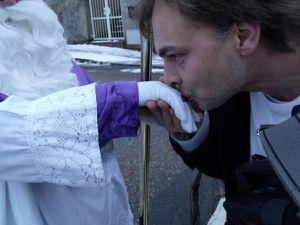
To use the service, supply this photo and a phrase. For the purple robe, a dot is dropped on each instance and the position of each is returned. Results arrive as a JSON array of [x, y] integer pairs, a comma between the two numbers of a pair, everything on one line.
[[117, 104]]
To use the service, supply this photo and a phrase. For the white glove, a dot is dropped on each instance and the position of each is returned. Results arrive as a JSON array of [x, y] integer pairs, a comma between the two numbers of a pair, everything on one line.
[[155, 90]]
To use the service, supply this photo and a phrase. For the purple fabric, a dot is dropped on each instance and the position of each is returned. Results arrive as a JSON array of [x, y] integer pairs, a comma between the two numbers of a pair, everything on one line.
[[82, 77], [2, 97], [117, 103]]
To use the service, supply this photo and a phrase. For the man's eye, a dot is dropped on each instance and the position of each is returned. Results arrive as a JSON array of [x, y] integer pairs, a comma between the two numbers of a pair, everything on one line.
[[172, 56], [176, 57]]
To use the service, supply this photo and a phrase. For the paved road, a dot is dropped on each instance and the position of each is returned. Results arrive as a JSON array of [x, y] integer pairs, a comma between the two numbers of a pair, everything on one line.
[[170, 178]]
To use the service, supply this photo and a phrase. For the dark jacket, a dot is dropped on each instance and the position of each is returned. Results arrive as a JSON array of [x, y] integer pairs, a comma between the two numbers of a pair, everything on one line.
[[227, 145]]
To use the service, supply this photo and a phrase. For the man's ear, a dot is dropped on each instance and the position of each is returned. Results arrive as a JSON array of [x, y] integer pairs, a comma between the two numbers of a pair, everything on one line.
[[248, 36]]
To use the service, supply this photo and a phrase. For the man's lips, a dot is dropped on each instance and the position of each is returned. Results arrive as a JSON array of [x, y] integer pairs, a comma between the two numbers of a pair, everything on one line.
[[185, 98], [193, 103]]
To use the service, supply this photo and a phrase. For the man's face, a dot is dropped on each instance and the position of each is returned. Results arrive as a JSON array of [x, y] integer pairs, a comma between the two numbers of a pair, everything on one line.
[[206, 69]]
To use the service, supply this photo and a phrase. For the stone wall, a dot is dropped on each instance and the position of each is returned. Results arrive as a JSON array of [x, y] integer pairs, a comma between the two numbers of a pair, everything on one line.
[[132, 36], [74, 17]]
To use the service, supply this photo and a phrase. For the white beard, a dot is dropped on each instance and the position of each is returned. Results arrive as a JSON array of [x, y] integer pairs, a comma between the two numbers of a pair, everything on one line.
[[34, 59]]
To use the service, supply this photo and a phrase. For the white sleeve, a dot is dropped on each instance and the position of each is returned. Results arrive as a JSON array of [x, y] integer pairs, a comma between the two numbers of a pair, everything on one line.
[[52, 139], [191, 144]]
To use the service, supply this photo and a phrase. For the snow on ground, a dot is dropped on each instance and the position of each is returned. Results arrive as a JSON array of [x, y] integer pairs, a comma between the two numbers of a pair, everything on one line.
[[139, 70], [98, 55], [219, 216]]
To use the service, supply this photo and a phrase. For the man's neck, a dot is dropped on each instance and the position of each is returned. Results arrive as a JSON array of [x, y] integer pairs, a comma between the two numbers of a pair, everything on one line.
[[276, 74]]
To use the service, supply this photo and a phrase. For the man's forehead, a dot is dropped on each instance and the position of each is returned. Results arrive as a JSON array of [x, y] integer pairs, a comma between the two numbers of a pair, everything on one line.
[[170, 4], [163, 12]]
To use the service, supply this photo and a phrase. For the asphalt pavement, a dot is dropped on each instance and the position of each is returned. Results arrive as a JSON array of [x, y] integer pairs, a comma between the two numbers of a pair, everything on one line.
[[170, 179]]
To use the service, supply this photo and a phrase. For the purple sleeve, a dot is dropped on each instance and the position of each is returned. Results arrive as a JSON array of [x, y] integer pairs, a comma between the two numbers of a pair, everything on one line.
[[2, 97], [117, 107], [117, 104], [82, 76]]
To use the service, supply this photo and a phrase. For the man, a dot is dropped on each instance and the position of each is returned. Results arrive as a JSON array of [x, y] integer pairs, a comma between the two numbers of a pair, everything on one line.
[[236, 60], [57, 162]]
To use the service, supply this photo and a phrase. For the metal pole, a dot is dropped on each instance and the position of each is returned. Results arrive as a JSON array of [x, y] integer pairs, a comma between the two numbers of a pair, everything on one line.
[[146, 72], [92, 18]]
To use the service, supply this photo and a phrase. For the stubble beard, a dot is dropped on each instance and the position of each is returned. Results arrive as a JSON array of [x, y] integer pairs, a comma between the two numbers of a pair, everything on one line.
[[219, 92]]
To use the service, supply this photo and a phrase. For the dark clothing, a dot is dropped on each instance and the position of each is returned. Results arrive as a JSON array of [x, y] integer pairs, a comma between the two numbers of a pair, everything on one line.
[[227, 145]]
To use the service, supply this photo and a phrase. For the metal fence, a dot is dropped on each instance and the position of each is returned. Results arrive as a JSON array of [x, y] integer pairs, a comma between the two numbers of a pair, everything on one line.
[[106, 17]]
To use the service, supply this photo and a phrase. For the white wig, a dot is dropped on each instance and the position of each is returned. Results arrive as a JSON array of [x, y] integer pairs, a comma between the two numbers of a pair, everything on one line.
[[34, 59]]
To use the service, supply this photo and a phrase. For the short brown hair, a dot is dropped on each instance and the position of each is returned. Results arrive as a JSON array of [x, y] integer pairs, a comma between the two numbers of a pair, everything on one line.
[[279, 19]]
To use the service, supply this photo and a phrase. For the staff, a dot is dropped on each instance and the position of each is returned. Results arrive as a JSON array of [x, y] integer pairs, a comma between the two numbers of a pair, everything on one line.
[[146, 70]]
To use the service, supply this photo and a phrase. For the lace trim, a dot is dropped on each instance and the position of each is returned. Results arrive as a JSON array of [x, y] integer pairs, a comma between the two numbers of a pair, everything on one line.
[[62, 132]]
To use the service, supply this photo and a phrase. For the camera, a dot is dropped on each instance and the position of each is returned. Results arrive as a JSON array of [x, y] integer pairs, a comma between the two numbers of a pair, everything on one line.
[[260, 198]]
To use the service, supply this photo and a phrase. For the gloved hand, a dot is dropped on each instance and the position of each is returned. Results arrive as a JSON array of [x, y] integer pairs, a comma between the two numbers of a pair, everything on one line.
[[155, 90]]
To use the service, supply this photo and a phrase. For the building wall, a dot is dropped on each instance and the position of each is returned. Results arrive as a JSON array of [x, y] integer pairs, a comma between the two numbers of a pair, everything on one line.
[[132, 35], [73, 15], [127, 6]]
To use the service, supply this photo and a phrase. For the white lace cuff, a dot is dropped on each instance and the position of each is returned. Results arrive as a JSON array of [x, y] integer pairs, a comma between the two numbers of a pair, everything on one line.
[[62, 132]]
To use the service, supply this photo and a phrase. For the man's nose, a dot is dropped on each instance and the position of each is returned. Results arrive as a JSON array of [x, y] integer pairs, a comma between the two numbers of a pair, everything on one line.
[[171, 78]]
